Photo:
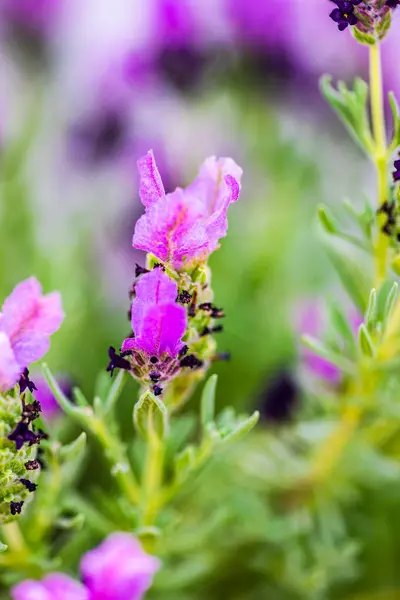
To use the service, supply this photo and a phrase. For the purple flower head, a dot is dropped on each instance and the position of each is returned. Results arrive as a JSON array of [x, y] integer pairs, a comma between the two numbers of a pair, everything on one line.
[[33, 15], [184, 227], [55, 586], [158, 324], [392, 3], [312, 321], [118, 569], [344, 14], [26, 322]]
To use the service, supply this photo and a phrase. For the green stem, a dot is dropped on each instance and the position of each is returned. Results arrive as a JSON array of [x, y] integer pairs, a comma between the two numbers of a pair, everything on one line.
[[379, 157], [153, 477]]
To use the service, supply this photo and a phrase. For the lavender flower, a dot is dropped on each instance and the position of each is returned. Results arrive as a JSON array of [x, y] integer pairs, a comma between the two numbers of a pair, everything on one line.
[[184, 227], [344, 14], [26, 322], [159, 324], [396, 172], [118, 569]]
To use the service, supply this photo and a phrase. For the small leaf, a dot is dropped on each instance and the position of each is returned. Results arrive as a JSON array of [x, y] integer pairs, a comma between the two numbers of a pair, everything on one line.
[[98, 407], [79, 397], [3, 547], [371, 312], [365, 342], [208, 401], [363, 38], [396, 122], [75, 522], [390, 302], [326, 219], [242, 428], [74, 450], [184, 462], [396, 265], [150, 416]]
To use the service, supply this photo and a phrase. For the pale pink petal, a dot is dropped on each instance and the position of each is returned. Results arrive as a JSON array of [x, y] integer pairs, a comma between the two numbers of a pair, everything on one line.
[[217, 225], [20, 305], [209, 187], [30, 347], [118, 569], [10, 370], [151, 185]]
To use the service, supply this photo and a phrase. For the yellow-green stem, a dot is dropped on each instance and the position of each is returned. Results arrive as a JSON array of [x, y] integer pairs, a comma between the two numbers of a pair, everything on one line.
[[152, 480], [380, 158]]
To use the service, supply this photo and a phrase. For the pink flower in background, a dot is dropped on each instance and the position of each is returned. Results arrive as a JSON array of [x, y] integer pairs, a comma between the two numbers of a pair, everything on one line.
[[158, 322], [55, 586], [118, 569], [27, 320], [43, 394], [312, 321], [184, 227]]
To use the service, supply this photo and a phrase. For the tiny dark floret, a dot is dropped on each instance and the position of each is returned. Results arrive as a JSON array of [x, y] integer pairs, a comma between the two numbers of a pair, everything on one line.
[[184, 297], [32, 465], [191, 361], [157, 390], [116, 362], [396, 172], [26, 383], [183, 351], [155, 377], [344, 15], [16, 507], [30, 486], [140, 270], [154, 360], [22, 434]]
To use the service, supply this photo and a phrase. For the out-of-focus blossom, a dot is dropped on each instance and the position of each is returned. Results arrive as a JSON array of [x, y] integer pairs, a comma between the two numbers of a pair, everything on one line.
[[184, 227], [396, 172], [43, 394], [27, 320], [118, 569], [55, 586], [37, 16], [312, 321]]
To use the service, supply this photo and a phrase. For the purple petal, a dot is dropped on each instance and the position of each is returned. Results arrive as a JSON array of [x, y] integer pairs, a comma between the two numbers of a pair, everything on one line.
[[55, 586], [156, 287], [118, 569], [151, 185], [162, 330], [10, 370], [336, 15]]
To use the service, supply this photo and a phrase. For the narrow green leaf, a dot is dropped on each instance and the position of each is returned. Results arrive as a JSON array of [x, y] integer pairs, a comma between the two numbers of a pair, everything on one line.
[[371, 312], [79, 397], [115, 391], [150, 416], [242, 428], [208, 401], [184, 462], [75, 449], [396, 122], [76, 522], [390, 302], [326, 219], [365, 342]]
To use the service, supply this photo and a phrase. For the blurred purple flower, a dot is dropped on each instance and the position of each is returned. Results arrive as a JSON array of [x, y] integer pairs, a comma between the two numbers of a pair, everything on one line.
[[43, 394], [118, 569], [158, 322], [26, 322], [344, 15], [184, 227], [260, 24], [34, 15], [311, 320], [55, 586]]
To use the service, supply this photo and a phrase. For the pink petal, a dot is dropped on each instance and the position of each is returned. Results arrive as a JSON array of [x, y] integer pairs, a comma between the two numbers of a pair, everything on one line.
[[172, 229], [10, 370], [156, 287], [151, 185], [118, 569], [29, 318]]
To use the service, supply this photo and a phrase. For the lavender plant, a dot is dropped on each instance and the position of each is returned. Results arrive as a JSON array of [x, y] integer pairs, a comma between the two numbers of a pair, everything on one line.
[[169, 350]]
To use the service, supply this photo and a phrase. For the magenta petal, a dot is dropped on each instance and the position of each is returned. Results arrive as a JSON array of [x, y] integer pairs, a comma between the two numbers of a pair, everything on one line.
[[156, 287], [55, 586], [10, 370], [151, 185], [30, 347], [129, 344], [162, 330], [209, 186], [118, 569], [20, 305]]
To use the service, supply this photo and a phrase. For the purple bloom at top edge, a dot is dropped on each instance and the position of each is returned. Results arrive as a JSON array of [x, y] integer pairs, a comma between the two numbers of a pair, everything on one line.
[[27, 320], [158, 322], [184, 227], [36, 15], [55, 586], [118, 569], [344, 14]]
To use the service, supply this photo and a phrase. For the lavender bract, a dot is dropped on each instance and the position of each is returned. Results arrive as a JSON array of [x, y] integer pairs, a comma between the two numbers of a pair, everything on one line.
[[184, 227], [27, 320]]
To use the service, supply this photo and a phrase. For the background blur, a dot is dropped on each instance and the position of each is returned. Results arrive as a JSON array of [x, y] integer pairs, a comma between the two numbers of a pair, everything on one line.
[[88, 86]]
